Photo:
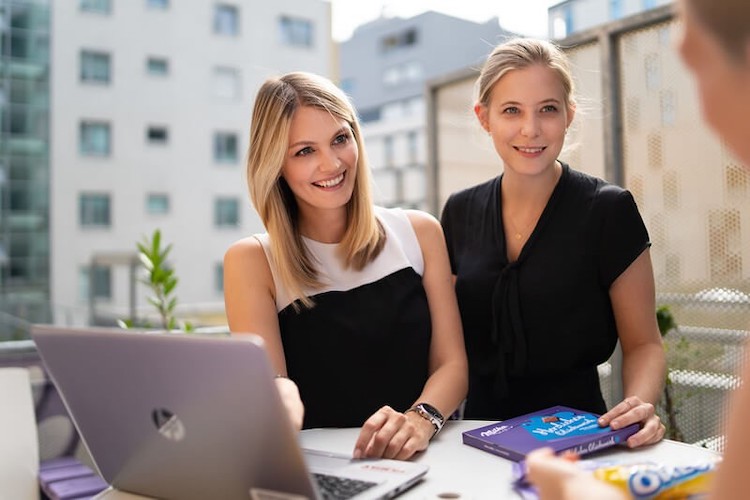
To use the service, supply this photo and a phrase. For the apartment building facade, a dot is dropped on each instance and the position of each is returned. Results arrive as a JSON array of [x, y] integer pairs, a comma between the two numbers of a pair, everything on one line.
[[384, 68], [148, 118], [24, 163]]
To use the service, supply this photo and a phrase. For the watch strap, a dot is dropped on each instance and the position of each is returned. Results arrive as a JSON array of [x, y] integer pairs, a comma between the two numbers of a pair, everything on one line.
[[429, 413]]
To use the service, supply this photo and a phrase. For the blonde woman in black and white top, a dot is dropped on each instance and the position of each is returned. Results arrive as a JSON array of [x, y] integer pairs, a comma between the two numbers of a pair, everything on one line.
[[355, 302]]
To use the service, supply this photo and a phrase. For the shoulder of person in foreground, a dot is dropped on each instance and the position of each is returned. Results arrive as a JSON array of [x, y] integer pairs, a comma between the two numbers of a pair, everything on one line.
[[729, 483]]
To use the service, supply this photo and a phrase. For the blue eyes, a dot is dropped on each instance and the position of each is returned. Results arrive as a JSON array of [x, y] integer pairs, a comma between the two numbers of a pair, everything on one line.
[[339, 140], [513, 110]]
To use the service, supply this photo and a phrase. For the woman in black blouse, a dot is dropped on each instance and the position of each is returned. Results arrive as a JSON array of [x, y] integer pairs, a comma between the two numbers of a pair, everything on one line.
[[552, 266]]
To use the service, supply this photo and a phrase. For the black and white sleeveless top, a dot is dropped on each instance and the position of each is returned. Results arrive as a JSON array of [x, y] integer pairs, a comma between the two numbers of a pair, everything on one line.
[[365, 343]]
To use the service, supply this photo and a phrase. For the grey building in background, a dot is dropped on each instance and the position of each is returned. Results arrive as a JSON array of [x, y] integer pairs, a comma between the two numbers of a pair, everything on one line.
[[24, 163], [384, 67]]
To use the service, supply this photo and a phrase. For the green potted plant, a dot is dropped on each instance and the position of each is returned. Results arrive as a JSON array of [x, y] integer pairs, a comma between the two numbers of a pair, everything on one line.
[[161, 280]]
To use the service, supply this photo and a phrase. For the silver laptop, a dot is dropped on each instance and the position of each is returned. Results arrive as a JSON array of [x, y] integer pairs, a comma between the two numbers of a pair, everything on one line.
[[185, 416]]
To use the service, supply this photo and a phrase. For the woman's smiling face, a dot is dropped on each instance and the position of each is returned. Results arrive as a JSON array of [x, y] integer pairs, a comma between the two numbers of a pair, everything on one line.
[[527, 117], [321, 160]]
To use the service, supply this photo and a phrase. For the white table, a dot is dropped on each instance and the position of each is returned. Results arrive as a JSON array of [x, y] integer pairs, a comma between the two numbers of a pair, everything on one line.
[[465, 472], [459, 471]]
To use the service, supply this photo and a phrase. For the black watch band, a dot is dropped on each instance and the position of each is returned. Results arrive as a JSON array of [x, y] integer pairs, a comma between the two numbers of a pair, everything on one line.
[[429, 412]]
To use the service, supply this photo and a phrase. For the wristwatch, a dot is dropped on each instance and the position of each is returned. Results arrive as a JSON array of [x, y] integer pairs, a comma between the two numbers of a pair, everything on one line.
[[429, 412]]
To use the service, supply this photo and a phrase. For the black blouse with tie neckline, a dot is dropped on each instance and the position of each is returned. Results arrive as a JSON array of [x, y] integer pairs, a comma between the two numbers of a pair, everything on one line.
[[536, 328]]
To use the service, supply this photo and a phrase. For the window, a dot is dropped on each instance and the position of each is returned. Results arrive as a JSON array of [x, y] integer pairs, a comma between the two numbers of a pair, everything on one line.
[[157, 66], [157, 4], [296, 32], [98, 279], [219, 277], [412, 71], [413, 147], [157, 203], [157, 135], [649, 4], [94, 139], [94, 210], [560, 25], [226, 20], [402, 39], [227, 83], [388, 151], [392, 76], [226, 212], [95, 66], [402, 73], [615, 9], [99, 6], [369, 115], [225, 147]]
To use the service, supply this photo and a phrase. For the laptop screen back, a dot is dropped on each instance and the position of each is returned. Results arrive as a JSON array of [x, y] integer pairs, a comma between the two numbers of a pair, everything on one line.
[[176, 415]]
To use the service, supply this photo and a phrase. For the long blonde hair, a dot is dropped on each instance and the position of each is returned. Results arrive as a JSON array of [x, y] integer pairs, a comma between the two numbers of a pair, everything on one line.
[[275, 105]]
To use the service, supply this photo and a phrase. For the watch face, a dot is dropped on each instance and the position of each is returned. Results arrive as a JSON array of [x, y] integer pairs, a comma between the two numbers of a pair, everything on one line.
[[433, 412]]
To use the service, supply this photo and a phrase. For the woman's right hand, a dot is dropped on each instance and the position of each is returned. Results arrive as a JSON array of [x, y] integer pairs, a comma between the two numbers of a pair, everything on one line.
[[292, 401]]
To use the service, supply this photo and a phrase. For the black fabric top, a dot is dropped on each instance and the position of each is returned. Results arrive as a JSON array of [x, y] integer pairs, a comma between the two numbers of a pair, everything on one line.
[[536, 328], [366, 341]]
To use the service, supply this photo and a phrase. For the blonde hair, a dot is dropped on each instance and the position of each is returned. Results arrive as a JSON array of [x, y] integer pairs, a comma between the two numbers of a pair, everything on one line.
[[520, 53], [728, 21], [275, 105]]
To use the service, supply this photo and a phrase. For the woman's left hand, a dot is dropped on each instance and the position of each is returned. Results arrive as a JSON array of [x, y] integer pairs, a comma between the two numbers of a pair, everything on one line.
[[633, 410], [558, 478], [391, 434]]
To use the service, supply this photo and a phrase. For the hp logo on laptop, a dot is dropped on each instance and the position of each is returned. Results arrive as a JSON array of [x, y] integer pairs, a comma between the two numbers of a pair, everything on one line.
[[168, 424]]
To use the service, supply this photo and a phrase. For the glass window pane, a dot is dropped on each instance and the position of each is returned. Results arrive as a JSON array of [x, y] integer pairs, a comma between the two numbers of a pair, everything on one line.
[[226, 212], [157, 135], [219, 277], [157, 66], [157, 4], [157, 203], [225, 147], [100, 6], [296, 31], [226, 20], [94, 210], [94, 139], [98, 277], [95, 66]]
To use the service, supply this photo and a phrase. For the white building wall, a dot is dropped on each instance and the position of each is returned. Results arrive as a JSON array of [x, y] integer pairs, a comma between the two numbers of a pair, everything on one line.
[[186, 103]]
